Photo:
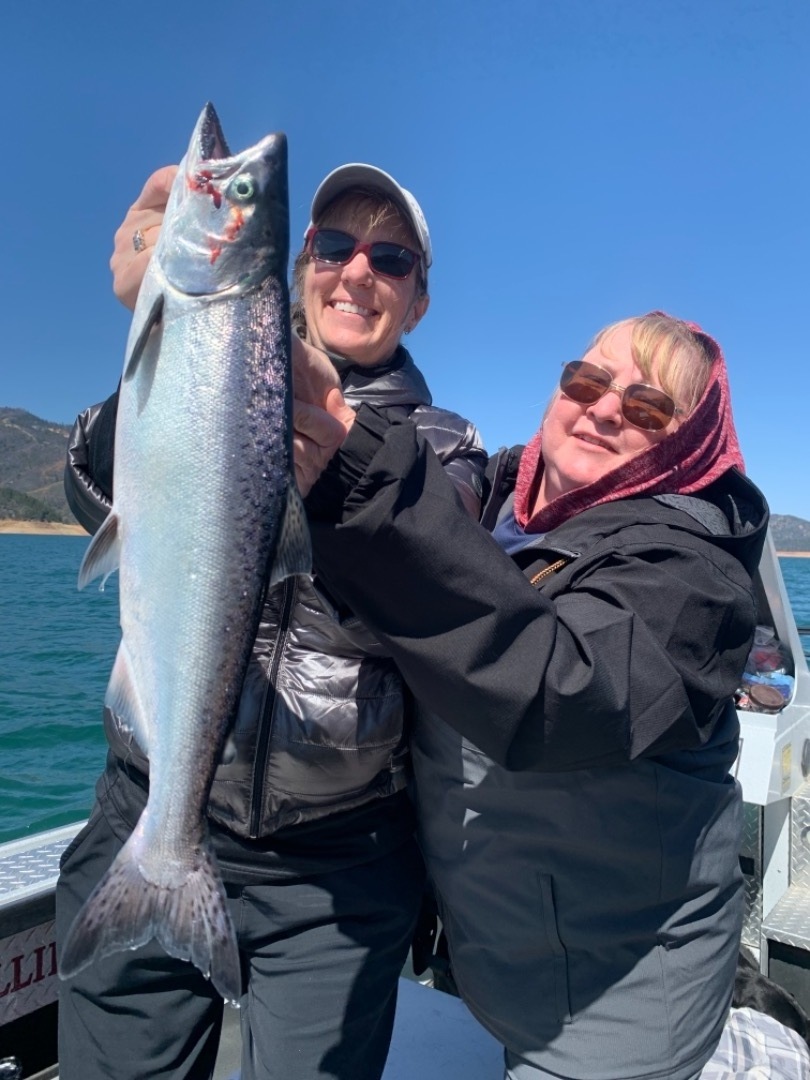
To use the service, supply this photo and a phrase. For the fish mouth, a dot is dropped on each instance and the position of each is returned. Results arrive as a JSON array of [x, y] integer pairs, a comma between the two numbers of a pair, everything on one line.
[[211, 144], [226, 227]]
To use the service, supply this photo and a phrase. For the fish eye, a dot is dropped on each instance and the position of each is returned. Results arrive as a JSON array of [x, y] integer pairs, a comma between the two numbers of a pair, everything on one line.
[[242, 188]]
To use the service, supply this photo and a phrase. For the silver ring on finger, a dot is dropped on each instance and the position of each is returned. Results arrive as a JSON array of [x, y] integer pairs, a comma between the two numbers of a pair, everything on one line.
[[138, 241]]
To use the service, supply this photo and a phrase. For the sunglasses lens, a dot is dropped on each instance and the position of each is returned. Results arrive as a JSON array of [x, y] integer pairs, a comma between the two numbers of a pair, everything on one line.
[[584, 382], [644, 406], [332, 245], [392, 260], [647, 408]]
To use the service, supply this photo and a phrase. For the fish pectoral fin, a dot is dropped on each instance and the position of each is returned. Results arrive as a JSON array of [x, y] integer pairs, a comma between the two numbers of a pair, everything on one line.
[[124, 701], [294, 550], [103, 554], [152, 320]]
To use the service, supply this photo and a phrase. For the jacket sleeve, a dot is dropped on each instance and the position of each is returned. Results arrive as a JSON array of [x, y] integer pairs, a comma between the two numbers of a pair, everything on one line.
[[579, 681], [89, 465], [459, 447]]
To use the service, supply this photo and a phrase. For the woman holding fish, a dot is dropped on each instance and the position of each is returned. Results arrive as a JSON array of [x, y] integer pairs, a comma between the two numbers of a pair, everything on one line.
[[309, 818], [574, 672]]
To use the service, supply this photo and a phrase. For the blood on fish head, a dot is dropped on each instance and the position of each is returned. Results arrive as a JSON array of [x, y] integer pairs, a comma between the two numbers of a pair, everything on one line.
[[227, 223]]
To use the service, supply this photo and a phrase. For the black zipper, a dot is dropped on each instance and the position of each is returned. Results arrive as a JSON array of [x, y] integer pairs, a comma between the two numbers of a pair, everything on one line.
[[290, 587]]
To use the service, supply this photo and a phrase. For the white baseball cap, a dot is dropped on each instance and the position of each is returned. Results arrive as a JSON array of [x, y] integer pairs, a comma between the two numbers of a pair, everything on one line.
[[358, 175]]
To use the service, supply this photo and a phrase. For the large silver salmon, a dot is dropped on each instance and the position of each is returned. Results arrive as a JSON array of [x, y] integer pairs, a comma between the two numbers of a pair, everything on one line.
[[205, 513]]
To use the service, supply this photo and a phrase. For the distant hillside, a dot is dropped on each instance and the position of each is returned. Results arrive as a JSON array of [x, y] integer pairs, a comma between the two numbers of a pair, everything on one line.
[[790, 533], [19, 507], [32, 463]]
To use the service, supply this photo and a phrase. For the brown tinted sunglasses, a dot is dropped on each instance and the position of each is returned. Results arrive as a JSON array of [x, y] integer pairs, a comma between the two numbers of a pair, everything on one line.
[[643, 406]]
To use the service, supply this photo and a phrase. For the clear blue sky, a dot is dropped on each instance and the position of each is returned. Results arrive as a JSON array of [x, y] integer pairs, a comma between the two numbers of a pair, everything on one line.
[[578, 161]]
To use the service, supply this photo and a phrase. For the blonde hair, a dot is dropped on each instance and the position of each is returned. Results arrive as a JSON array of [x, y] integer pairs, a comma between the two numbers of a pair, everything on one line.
[[667, 350]]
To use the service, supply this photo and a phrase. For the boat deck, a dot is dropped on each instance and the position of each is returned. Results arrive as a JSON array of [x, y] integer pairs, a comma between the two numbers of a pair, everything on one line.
[[435, 1035], [435, 1038]]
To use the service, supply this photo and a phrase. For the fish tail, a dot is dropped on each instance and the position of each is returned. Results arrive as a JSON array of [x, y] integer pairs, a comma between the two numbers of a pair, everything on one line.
[[190, 921]]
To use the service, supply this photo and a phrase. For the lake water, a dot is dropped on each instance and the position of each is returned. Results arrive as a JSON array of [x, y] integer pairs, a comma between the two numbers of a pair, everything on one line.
[[57, 647]]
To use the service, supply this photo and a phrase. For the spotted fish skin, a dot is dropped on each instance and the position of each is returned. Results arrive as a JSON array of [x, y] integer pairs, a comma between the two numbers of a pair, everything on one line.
[[205, 514]]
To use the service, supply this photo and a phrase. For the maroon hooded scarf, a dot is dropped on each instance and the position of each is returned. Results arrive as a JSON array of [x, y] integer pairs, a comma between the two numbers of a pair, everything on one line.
[[694, 456]]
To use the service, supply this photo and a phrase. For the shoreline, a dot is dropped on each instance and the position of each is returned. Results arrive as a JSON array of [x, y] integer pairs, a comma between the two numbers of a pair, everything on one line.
[[40, 528], [54, 528]]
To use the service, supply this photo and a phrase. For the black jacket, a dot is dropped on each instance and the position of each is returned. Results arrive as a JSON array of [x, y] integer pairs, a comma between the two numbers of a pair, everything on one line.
[[632, 650], [590, 890]]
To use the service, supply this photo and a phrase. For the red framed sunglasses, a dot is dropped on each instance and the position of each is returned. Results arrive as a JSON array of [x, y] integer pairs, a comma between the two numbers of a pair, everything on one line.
[[337, 247], [643, 406]]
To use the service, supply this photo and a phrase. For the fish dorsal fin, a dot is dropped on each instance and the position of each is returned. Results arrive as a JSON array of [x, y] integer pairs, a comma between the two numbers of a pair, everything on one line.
[[103, 554], [123, 700], [152, 320], [294, 550]]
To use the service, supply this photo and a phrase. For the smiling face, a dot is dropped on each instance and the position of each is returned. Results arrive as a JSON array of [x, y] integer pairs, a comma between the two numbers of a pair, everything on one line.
[[350, 309], [581, 443]]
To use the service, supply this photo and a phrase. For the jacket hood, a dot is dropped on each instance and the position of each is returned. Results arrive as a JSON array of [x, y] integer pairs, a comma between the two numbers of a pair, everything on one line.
[[732, 510]]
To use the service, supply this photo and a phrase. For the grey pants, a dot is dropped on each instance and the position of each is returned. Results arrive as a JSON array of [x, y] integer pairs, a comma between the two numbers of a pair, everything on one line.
[[321, 961]]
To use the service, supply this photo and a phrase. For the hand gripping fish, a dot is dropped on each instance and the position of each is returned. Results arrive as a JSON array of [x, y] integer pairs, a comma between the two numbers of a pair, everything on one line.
[[205, 514]]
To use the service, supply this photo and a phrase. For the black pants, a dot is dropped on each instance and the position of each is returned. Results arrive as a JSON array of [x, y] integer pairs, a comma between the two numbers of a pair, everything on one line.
[[321, 961]]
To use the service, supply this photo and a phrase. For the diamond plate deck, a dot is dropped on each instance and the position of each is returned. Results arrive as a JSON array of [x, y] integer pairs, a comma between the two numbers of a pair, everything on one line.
[[789, 922], [751, 849], [29, 867], [28, 872], [800, 837]]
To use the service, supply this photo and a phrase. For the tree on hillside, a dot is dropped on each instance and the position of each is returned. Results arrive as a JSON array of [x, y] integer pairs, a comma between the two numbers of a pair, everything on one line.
[[21, 507]]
